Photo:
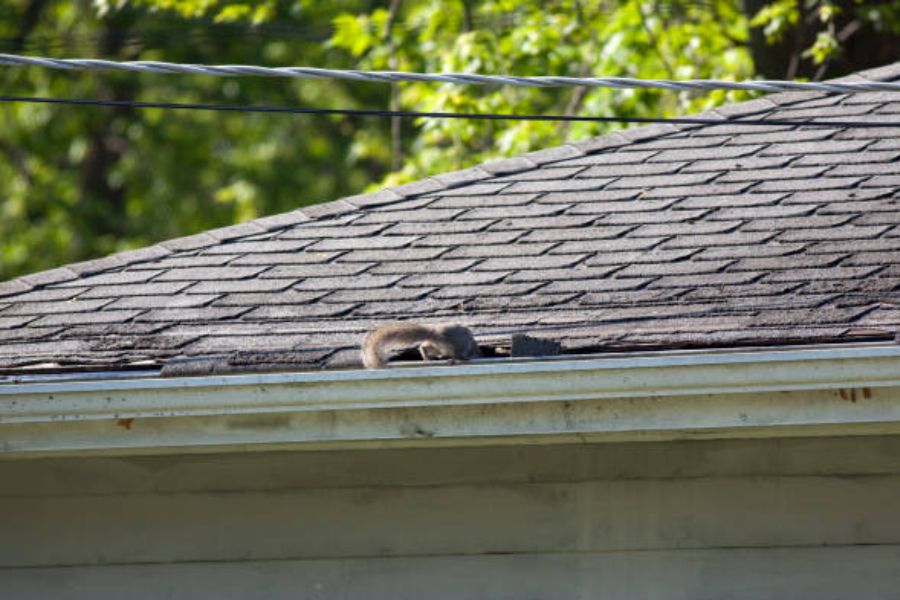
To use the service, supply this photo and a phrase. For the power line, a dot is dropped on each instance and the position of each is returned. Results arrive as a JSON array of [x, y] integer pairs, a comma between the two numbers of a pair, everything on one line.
[[444, 115], [704, 85]]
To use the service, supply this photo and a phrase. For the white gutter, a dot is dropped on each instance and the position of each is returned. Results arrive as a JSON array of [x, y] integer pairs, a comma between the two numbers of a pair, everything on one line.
[[741, 393]]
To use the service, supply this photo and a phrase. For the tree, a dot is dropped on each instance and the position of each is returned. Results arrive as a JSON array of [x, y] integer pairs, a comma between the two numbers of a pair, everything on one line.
[[80, 182]]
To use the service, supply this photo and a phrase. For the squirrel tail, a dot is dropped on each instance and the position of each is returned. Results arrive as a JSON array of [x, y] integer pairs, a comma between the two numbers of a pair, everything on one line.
[[379, 342]]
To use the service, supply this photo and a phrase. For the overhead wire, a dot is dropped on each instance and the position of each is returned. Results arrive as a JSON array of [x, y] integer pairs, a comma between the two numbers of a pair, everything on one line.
[[354, 112], [541, 81]]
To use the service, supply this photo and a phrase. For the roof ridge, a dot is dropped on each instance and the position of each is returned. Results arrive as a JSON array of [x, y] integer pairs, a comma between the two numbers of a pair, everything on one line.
[[440, 182]]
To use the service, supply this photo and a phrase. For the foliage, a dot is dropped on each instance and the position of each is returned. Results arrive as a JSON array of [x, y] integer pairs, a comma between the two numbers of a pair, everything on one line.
[[79, 182]]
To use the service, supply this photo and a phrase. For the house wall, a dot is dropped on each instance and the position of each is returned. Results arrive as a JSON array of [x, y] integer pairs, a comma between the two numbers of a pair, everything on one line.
[[791, 518]]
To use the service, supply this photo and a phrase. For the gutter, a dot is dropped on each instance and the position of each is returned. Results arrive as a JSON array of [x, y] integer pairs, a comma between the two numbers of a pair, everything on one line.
[[826, 390]]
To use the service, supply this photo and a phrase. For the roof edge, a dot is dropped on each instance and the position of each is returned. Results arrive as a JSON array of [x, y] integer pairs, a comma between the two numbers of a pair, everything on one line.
[[439, 182], [820, 391]]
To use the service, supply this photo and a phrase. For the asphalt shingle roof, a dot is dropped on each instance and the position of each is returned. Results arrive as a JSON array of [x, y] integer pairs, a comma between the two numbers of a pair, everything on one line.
[[657, 237]]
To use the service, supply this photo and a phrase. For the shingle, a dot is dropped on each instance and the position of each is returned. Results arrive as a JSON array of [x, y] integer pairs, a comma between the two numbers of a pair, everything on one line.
[[504, 199], [885, 217], [685, 229], [418, 229], [427, 307], [323, 270], [612, 245], [282, 258], [42, 349], [683, 179], [46, 295], [182, 315], [749, 251], [442, 265], [783, 139], [805, 222], [392, 294], [823, 196], [201, 260], [15, 321], [539, 263], [826, 273], [734, 238], [581, 197], [733, 164], [770, 174], [846, 232], [135, 289], [477, 291], [402, 254], [16, 333], [630, 206], [883, 181], [730, 201], [507, 212], [593, 285], [46, 278], [693, 154], [555, 275], [635, 170], [673, 268], [795, 261], [859, 245], [685, 142], [259, 298], [630, 258], [467, 239], [336, 231], [265, 246], [87, 318], [844, 158], [533, 174], [363, 243], [799, 185], [180, 301], [871, 258], [651, 216], [298, 311], [117, 278], [689, 191], [564, 185], [710, 279], [208, 273], [443, 279], [761, 212], [411, 216], [629, 297], [866, 207], [536, 223], [55, 307], [9, 288], [888, 144], [475, 188], [499, 250], [250, 285], [622, 157], [737, 294], [590, 232], [348, 282]]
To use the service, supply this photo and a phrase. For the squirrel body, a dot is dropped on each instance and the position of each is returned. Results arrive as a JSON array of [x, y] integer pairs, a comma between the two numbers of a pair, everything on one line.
[[434, 342]]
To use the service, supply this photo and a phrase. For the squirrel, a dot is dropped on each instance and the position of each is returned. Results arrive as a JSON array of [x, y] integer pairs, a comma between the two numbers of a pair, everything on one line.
[[454, 342]]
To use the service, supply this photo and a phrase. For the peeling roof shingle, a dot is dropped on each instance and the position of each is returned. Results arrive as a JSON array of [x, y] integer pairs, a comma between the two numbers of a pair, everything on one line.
[[657, 237]]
